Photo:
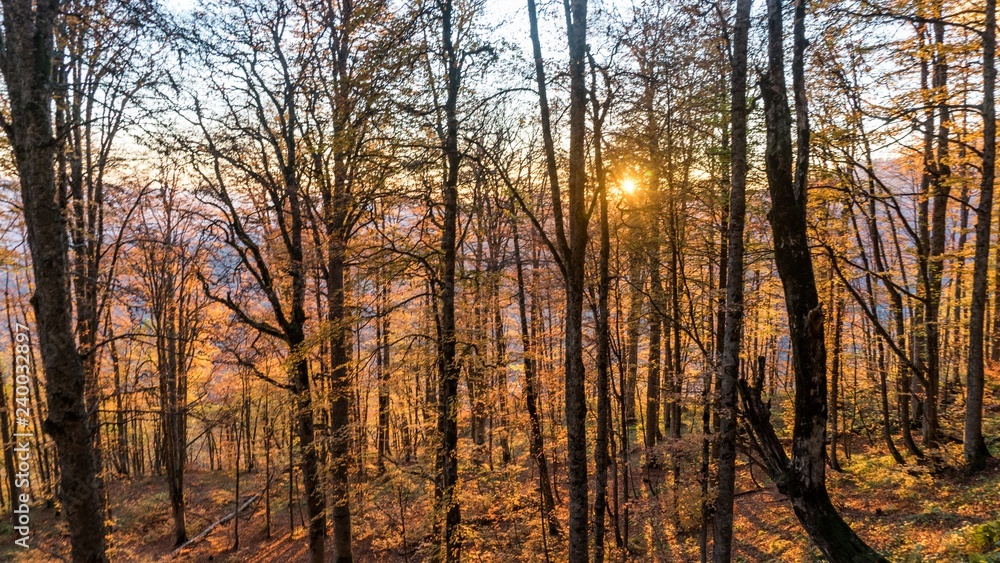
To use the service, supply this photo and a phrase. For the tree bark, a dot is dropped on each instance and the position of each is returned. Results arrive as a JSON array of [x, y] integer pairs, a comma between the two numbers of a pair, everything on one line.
[[803, 478], [654, 363], [603, 327], [26, 64], [838, 331], [340, 430], [382, 365], [974, 449], [336, 204], [448, 512], [939, 190], [575, 262], [570, 251], [722, 549]]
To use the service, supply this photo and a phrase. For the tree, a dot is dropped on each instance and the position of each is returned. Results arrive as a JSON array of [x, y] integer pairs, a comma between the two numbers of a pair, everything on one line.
[[354, 46], [733, 333], [256, 136], [168, 266], [569, 250], [974, 450], [599, 112], [448, 368], [101, 72], [803, 477], [536, 441], [26, 64]]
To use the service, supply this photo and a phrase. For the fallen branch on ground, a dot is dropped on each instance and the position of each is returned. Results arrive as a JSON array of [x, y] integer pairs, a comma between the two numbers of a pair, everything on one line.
[[215, 525]]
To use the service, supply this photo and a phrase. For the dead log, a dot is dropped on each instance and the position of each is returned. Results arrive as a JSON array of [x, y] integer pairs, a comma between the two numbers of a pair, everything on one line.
[[204, 533]]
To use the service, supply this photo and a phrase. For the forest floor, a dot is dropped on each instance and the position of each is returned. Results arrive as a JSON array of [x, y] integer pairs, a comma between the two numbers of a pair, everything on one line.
[[906, 513]]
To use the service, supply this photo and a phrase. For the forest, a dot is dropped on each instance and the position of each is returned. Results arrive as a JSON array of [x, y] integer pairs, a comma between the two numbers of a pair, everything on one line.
[[509, 280]]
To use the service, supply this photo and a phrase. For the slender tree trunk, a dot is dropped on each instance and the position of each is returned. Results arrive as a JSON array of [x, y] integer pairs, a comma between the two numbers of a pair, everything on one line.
[[676, 371], [653, 364], [448, 513], [719, 334], [236, 500], [918, 347], [536, 441], [340, 429], [636, 283], [575, 262], [603, 329], [291, 479], [268, 431], [835, 369], [476, 361], [974, 450], [652, 246], [500, 347], [174, 440], [382, 365], [571, 254], [315, 498], [938, 223], [722, 549], [883, 375], [337, 204], [995, 316], [905, 384]]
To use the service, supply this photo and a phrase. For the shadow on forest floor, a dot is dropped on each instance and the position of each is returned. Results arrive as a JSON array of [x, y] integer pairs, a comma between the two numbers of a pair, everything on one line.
[[907, 514]]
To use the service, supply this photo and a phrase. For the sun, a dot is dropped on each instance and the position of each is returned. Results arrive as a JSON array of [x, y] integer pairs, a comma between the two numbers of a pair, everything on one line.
[[628, 186]]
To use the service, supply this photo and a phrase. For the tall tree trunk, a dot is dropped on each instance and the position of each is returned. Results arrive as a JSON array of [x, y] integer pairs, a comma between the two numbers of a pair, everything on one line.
[[500, 347], [722, 549], [448, 513], [170, 366], [236, 500], [536, 442], [719, 330], [603, 327], [652, 246], [636, 283], [918, 346], [268, 432], [26, 64], [838, 332], [305, 429], [883, 376], [654, 363], [570, 252], [673, 357], [974, 450], [340, 430], [803, 478], [575, 262], [294, 334], [382, 365], [337, 204], [941, 193], [121, 424]]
